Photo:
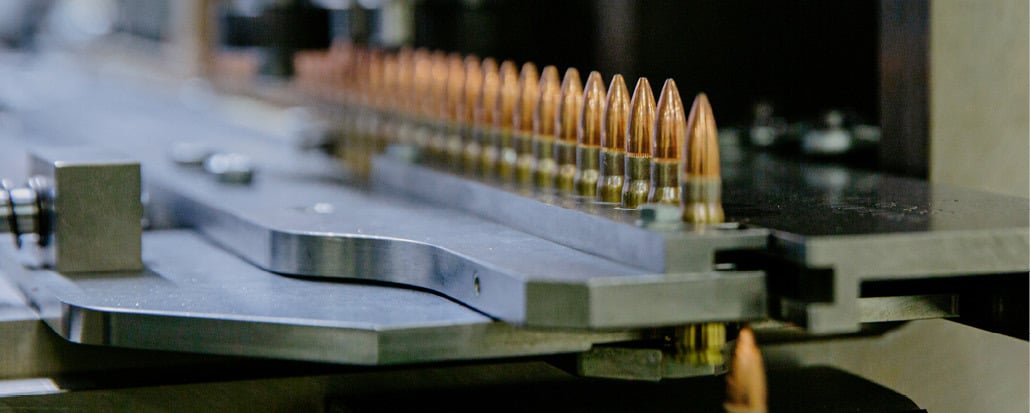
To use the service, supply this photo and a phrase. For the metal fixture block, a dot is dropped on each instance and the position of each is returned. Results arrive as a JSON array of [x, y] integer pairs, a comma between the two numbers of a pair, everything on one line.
[[93, 202]]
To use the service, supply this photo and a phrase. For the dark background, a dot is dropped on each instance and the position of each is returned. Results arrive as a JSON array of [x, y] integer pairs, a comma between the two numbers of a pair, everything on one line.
[[805, 56]]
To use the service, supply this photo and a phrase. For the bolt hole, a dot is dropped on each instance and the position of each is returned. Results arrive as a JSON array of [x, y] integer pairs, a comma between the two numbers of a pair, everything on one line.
[[475, 282]]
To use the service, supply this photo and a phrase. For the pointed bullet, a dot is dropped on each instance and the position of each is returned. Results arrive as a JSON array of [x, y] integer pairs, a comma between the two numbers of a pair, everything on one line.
[[391, 73], [613, 142], [405, 81], [638, 146], [670, 131], [373, 90], [404, 96], [474, 71], [422, 82], [701, 183], [545, 120], [454, 100], [499, 158], [529, 96], [468, 81], [480, 101], [389, 114], [588, 136], [439, 106], [435, 106], [566, 128]]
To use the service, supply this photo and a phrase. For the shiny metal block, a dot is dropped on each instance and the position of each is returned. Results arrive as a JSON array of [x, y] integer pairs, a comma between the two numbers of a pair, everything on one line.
[[95, 209]]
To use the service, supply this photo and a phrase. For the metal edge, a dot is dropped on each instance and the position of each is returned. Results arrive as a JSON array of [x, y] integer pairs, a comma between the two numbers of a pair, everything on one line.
[[596, 229], [508, 297], [854, 259]]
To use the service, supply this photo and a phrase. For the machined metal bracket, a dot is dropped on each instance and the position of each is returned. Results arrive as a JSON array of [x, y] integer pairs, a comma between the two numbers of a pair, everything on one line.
[[79, 212]]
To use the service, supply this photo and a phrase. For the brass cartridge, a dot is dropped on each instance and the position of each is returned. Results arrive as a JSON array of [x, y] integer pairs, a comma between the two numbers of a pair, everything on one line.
[[499, 157], [545, 119], [637, 184], [566, 128], [588, 136], [666, 146], [480, 109], [701, 183], [522, 139], [611, 174]]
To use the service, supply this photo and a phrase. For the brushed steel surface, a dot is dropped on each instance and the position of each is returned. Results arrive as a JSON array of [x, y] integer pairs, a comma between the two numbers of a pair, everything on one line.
[[852, 226], [296, 218], [581, 223], [865, 226], [197, 298]]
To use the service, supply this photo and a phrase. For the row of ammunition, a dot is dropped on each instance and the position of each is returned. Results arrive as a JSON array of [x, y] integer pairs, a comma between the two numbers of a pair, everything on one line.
[[525, 127]]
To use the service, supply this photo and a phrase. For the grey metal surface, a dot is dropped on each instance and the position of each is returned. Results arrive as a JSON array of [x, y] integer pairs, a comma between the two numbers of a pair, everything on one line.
[[92, 209], [296, 218], [864, 226], [314, 229], [903, 308], [196, 298], [599, 229], [854, 226]]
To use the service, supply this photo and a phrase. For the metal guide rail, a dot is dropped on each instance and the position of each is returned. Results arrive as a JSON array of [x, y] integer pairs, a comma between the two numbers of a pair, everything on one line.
[[599, 274]]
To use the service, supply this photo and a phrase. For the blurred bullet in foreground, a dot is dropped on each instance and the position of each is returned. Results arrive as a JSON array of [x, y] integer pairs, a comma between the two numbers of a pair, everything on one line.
[[746, 390], [638, 146], [701, 183], [670, 131]]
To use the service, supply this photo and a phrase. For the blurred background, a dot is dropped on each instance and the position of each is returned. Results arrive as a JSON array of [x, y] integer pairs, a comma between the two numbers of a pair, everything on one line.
[[936, 90], [926, 89]]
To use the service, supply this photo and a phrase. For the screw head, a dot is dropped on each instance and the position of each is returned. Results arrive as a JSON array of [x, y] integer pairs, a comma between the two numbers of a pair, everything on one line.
[[230, 167]]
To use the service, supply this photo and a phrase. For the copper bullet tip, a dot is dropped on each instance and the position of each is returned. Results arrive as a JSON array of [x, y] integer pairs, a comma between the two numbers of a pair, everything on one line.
[[508, 96], [702, 147], [570, 106], [616, 114], [671, 127], [529, 93], [591, 118], [746, 389], [641, 120], [545, 115]]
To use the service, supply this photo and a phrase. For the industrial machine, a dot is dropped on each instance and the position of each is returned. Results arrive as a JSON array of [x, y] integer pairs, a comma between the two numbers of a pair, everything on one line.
[[335, 223]]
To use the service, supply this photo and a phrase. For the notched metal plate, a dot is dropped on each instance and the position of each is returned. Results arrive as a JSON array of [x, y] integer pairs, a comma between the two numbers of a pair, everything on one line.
[[197, 298]]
